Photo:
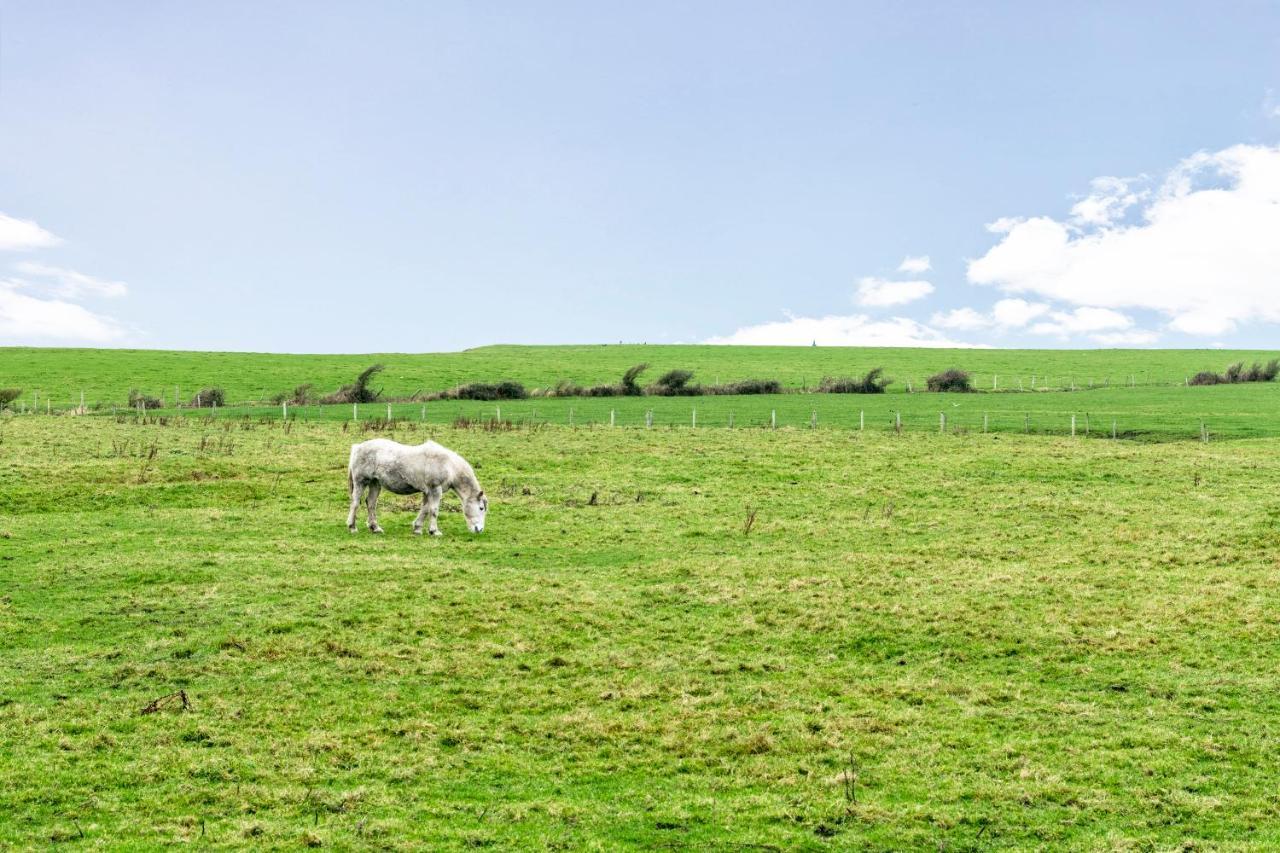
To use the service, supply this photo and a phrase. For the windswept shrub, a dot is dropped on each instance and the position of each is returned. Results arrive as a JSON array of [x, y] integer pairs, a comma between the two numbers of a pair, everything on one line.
[[137, 398], [358, 391], [8, 395], [674, 383], [949, 380], [871, 383], [209, 397], [504, 390], [1237, 372], [630, 387]]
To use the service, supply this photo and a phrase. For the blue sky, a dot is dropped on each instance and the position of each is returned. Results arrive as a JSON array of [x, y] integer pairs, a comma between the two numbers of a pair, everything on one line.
[[329, 177]]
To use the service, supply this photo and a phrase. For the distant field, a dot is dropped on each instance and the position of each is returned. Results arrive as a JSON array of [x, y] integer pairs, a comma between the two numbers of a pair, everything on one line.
[[1002, 641], [105, 376]]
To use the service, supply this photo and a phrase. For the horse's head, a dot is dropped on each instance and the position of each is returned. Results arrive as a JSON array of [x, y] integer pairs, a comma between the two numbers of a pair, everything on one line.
[[474, 509]]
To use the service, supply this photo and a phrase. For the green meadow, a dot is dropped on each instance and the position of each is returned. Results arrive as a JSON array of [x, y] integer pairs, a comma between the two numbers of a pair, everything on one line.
[[670, 637], [1012, 618], [105, 376]]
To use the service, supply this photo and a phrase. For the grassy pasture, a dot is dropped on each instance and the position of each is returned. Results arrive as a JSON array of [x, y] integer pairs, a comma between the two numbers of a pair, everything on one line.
[[105, 376], [1006, 641]]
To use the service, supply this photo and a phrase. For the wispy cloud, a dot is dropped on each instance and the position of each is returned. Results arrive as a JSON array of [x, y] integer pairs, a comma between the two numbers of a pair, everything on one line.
[[18, 235], [72, 284], [883, 293], [841, 330], [915, 265], [28, 319]]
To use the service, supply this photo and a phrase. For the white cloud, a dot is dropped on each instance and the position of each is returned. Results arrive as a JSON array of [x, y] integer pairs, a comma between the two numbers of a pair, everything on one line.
[[849, 330], [1005, 314], [18, 235], [915, 265], [961, 318], [1080, 321], [1017, 312], [882, 293], [72, 284], [1137, 337], [1204, 253], [28, 319]]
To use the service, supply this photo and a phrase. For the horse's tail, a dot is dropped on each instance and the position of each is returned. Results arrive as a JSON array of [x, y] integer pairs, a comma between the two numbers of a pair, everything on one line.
[[351, 463]]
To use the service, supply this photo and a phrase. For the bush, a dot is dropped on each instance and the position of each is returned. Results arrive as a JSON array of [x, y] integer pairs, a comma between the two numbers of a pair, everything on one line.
[[504, 390], [871, 383], [209, 397], [137, 398], [299, 396], [949, 380], [747, 386], [674, 383], [1237, 372], [8, 395], [358, 391]]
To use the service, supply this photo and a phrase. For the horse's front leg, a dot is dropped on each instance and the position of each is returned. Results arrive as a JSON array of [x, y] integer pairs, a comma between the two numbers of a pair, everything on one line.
[[372, 503], [356, 490], [431, 506]]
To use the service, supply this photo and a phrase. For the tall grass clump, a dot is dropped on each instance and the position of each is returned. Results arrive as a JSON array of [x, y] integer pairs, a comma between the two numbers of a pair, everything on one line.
[[7, 396], [359, 391], [1237, 372], [299, 396], [949, 380], [871, 383]]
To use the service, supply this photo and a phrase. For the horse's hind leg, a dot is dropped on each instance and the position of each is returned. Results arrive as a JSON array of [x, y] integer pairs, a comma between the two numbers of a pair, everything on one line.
[[422, 515], [356, 490], [371, 501]]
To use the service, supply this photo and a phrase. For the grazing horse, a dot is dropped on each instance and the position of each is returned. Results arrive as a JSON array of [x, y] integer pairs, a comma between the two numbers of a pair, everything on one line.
[[405, 469]]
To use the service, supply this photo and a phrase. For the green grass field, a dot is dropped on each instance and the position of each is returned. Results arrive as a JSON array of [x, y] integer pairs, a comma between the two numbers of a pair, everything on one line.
[[105, 376], [1003, 641], [1137, 394]]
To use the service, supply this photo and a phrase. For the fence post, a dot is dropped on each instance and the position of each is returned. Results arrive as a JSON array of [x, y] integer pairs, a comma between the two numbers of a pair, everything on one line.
[[284, 410], [355, 411], [648, 419], [942, 422], [862, 420], [1204, 433], [695, 417], [731, 420], [611, 421], [1026, 422], [1113, 427], [773, 418], [424, 413], [984, 421], [82, 402], [1073, 426], [897, 422], [813, 419], [497, 412], [995, 382]]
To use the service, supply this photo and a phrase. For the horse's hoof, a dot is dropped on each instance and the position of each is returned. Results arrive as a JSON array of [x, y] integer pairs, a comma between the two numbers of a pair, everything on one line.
[[417, 531], [375, 529], [436, 533], [351, 529]]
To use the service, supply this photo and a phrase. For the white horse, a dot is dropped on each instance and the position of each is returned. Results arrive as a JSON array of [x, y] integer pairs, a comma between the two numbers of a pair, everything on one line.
[[403, 469]]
